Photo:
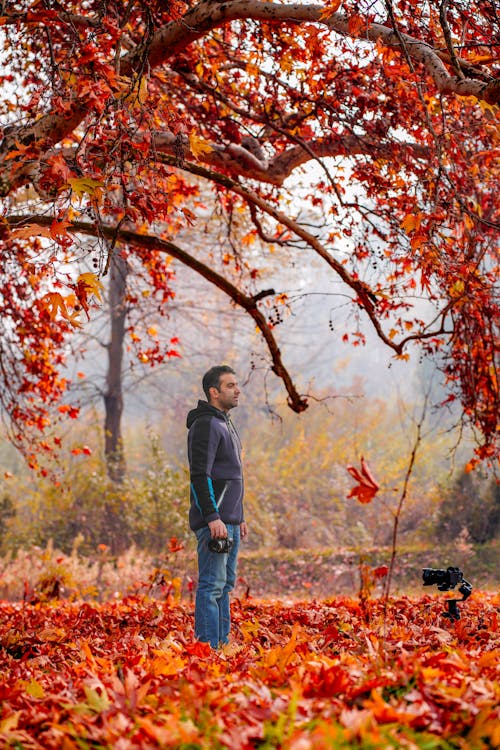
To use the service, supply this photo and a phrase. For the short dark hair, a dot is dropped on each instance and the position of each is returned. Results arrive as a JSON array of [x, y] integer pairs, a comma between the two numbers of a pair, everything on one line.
[[211, 378]]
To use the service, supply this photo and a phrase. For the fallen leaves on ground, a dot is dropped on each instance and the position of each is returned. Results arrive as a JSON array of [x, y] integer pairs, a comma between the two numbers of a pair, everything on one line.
[[297, 675]]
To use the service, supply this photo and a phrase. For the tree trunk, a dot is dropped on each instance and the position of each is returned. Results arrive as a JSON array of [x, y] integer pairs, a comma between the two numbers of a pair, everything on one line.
[[113, 397]]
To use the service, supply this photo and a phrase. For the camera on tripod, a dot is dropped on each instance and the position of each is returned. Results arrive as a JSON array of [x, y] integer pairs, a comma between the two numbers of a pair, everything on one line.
[[220, 546], [446, 580]]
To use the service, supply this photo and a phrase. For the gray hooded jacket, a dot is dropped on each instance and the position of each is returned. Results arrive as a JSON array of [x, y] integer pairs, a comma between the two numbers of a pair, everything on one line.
[[214, 453]]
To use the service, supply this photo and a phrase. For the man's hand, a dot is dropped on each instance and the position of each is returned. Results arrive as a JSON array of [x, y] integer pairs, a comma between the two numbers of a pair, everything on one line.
[[243, 530], [218, 529]]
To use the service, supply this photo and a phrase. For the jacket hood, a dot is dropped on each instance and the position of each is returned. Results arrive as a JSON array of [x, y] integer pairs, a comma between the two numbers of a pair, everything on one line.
[[203, 409]]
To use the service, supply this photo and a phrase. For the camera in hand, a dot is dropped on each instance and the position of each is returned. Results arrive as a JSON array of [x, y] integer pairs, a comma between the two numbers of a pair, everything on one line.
[[220, 545]]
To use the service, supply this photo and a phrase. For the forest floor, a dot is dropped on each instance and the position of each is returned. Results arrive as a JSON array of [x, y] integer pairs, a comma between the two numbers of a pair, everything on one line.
[[316, 675], [99, 653]]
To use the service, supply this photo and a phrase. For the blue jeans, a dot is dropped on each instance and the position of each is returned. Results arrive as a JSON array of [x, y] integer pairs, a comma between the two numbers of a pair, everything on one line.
[[216, 578]]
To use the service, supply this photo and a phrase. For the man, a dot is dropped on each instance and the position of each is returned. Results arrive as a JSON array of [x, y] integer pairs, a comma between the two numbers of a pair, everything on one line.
[[216, 511]]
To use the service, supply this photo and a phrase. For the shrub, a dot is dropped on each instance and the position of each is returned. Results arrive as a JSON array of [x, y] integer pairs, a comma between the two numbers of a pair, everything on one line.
[[146, 510], [471, 505]]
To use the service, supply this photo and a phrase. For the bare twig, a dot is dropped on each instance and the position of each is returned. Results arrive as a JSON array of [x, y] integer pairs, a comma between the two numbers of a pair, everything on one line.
[[402, 498], [447, 36]]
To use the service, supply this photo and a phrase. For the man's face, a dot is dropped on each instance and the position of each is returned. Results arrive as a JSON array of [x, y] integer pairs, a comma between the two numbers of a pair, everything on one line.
[[227, 395]]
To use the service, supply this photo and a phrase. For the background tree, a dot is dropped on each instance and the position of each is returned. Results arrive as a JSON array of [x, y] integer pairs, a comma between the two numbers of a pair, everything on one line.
[[471, 506], [126, 326], [113, 397], [382, 119]]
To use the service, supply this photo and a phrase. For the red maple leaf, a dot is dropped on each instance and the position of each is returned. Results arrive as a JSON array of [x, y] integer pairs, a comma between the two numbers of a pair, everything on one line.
[[367, 486], [175, 545]]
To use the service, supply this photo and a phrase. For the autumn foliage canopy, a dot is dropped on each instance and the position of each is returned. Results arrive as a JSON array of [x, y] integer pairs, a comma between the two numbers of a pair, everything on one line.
[[362, 135]]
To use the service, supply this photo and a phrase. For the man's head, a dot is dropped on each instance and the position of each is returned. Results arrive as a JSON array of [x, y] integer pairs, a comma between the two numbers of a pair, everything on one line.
[[221, 387]]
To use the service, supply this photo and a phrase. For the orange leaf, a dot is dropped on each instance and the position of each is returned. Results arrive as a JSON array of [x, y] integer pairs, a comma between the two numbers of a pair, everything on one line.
[[367, 486], [58, 228], [54, 302], [330, 9], [175, 545], [411, 222], [198, 649], [356, 24], [90, 284], [71, 411], [31, 230]]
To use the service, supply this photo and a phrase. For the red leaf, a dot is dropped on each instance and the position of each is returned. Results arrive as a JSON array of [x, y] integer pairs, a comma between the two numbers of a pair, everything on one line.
[[175, 545], [198, 649], [367, 486]]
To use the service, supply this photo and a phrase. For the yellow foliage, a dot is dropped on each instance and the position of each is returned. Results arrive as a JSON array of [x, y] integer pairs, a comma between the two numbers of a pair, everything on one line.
[[281, 655], [92, 283], [34, 689], [198, 145], [10, 723], [81, 186]]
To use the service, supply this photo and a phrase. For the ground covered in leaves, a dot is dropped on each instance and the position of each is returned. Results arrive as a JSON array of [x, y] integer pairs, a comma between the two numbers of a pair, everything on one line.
[[340, 673]]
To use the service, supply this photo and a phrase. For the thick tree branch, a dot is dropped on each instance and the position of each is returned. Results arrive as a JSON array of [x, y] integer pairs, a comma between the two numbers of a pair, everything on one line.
[[11, 17], [151, 243], [443, 8], [209, 15], [53, 127], [22, 147], [239, 160], [364, 295]]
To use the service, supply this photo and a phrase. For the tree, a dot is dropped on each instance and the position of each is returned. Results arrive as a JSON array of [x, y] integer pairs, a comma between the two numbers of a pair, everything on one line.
[[113, 397], [471, 506], [120, 321], [379, 119]]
